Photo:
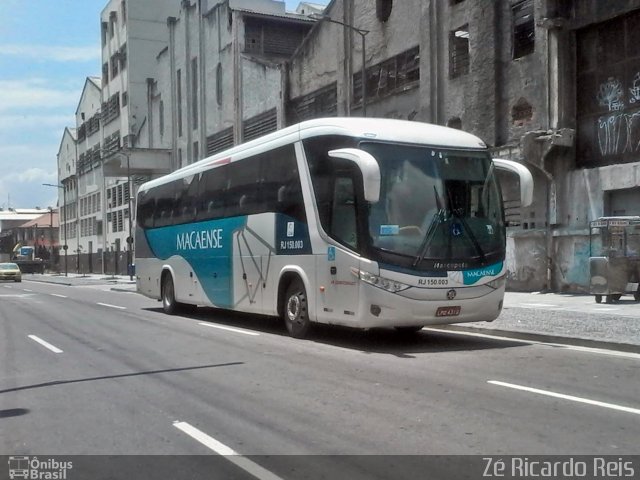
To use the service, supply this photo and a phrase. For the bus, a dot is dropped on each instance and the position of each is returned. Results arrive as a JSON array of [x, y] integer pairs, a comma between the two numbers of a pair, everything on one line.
[[358, 222]]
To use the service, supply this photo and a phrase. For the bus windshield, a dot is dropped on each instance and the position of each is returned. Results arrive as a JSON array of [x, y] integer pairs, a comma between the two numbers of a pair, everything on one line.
[[438, 207]]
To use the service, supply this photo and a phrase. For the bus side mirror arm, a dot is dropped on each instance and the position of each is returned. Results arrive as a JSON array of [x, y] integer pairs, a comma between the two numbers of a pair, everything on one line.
[[526, 179], [369, 168]]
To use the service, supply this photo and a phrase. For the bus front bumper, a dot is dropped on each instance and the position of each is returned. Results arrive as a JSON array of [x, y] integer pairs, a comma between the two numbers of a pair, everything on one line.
[[379, 308]]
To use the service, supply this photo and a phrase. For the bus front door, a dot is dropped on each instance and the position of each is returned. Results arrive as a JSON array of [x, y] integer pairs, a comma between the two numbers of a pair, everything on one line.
[[338, 297]]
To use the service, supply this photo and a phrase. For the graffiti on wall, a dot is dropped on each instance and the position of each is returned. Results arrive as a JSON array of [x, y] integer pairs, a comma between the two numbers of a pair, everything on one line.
[[618, 132]]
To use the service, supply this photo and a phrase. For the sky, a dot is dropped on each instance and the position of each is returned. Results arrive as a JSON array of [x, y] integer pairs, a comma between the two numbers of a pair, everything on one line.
[[47, 49]]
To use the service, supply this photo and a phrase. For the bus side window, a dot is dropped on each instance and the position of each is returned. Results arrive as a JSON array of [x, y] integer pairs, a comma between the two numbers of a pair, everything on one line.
[[164, 205], [146, 205], [242, 195], [280, 189], [211, 192]]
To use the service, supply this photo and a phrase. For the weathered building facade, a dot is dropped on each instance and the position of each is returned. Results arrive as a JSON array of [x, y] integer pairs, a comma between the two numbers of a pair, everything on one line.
[[553, 84], [549, 83], [219, 81]]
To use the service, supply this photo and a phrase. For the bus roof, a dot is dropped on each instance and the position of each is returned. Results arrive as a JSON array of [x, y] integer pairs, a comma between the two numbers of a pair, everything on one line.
[[391, 130]]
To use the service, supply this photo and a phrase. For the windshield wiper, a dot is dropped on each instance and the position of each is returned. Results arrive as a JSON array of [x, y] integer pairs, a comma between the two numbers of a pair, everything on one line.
[[435, 221]]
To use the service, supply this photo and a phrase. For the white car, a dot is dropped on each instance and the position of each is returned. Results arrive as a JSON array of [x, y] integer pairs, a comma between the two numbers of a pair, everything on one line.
[[10, 271]]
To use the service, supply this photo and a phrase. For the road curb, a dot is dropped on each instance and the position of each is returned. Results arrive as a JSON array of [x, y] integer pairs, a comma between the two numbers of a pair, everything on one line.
[[545, 338]]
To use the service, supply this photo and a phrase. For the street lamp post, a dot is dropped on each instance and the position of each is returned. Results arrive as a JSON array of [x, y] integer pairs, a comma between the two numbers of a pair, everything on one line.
[[362, 33], [129, 238], [64, 201]]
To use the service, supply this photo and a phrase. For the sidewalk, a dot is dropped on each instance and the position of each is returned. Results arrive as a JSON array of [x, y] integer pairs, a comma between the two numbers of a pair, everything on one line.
[[567, 316], [75, 279], [558, 317]]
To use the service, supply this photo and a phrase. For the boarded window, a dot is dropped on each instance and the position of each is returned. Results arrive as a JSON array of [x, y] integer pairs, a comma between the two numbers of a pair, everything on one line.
[[259, 125], [608, 92], [273, 38], [319, 103], [394, 75], [523, 28], [220, 141], [459, 52]]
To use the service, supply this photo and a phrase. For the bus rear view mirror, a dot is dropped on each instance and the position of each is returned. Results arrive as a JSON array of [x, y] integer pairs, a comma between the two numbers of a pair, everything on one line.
[[526, 179], [369, 168]]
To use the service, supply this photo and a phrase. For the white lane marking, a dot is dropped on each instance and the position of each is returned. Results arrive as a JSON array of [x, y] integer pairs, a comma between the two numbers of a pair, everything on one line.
[[577, 348], [548, 393], [237, 330], [57, 295], [45, 344], [112, 306], [230, 454], [27, 290]]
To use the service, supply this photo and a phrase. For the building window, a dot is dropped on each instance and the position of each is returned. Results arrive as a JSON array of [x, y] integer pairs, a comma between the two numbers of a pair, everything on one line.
[[105, 73], [219, 84], [523, 28], [394, 75], [123, 10], [459, 52], [114, 65], [272, 38], [113, 20], [194, 93], [196, 151], [123, 56], [161, 117], [179, 100], [259, 125], [219, 141], [319, 103], [383, 9], [125, 98], [104, 30]]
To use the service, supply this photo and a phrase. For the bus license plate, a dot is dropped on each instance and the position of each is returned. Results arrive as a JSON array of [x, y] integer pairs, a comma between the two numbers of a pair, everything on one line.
[[448, 311]]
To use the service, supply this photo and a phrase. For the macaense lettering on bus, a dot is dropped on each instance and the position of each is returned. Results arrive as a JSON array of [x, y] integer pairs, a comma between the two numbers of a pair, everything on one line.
[[199, 240]]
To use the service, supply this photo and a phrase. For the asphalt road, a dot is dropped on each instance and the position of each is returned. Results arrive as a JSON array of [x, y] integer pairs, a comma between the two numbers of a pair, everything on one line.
[[86, 370]]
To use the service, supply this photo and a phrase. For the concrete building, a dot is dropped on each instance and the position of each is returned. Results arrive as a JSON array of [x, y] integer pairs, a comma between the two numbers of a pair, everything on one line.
[[219, 81], [89, 174], [112, 147], [550, 83], [68, 184], [41, 224], [132, 32], [553, 84]]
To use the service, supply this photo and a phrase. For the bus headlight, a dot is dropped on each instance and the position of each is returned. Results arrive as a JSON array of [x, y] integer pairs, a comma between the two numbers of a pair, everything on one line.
[[497, 283], [392, 286]]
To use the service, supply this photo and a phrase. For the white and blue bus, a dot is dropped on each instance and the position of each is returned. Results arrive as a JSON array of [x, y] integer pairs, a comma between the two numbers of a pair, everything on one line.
[[349, 221]]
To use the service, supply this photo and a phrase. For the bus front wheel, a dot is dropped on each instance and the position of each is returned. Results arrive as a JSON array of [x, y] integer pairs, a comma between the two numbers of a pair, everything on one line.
[[169, 304], [295, 311]]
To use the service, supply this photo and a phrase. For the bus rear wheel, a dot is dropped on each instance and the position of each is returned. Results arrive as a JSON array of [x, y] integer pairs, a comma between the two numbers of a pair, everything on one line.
[[295, 312], [169, 304]]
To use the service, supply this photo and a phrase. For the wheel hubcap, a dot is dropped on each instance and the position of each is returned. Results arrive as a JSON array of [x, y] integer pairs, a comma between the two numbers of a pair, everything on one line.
[[293, 309]]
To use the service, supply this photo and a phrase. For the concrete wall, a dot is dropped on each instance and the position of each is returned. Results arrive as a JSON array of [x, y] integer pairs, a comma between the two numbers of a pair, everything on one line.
[[218, 38], [526, 261], [261, 83]]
